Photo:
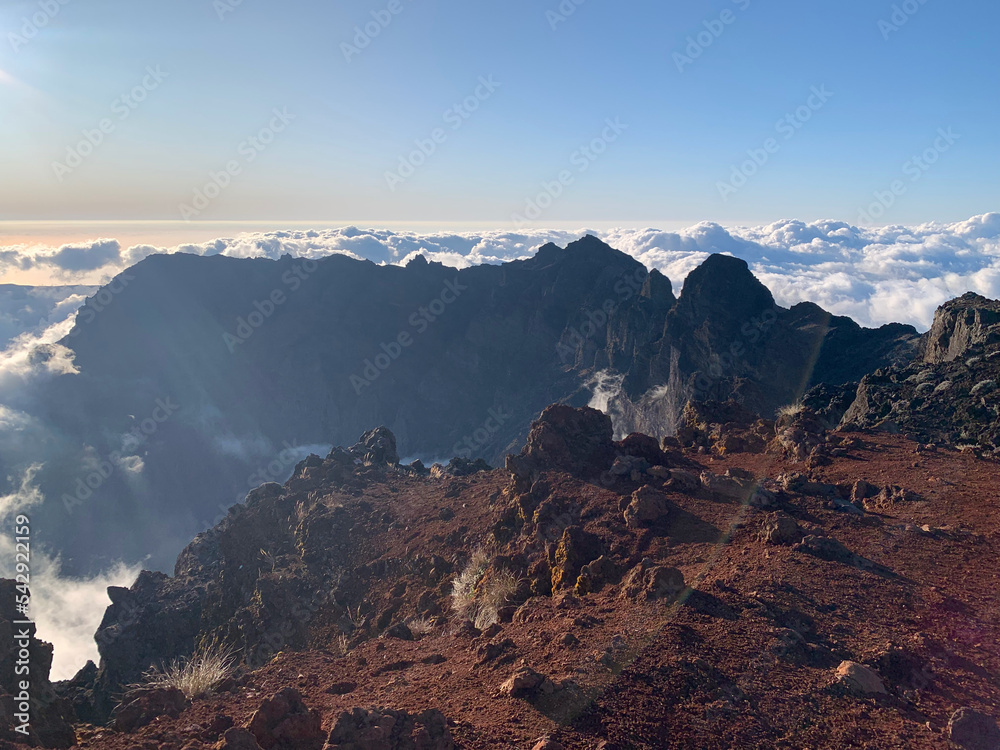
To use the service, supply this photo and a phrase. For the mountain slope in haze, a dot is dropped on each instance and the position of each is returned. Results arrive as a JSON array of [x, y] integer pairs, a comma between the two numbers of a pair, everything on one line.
[[207, 376]]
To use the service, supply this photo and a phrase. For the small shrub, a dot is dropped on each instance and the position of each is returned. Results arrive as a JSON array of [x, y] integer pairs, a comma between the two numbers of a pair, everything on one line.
[[420, 626], [197, 675], [463, 590], [495, 594], [791, 410], [478, 597]]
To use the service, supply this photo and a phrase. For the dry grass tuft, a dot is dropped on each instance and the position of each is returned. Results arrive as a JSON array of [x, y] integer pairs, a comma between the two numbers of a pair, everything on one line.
[[791, 410], [478, 597], [420, 626], [197, 675]]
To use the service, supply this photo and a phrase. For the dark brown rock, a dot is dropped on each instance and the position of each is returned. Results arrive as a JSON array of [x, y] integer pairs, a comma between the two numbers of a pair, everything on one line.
[[139, 707], [284, 722]]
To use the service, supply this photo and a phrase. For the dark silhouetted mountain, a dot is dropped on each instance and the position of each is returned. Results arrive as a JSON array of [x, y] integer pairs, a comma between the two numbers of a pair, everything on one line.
[[226, 370]]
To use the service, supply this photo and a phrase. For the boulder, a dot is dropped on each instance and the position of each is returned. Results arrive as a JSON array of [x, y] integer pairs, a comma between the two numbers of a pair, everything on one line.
[[237, 739], [825, 548], [857, 679], [862, 490], [648, 507], [522, 683], [577, 441], [139, 707], [599, 572], [686, 482], [284, 722], [972, 730], [781, 529], [653, 582], [576, 548], [377, 446], [727, 488]]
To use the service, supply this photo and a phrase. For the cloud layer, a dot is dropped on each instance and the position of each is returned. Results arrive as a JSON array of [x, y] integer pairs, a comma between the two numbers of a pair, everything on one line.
[[875, 275]]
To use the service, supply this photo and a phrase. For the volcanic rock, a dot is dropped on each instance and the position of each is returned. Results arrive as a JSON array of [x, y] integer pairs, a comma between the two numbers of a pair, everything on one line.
[[139, 707], [972, 730], [284, 722], [859, 679]]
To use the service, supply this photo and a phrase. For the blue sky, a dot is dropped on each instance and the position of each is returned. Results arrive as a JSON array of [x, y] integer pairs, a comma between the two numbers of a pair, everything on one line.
[[685, 130]]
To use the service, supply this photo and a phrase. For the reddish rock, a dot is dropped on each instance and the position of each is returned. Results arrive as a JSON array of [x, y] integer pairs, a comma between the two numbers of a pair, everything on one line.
[[139, 707], [284, 722]]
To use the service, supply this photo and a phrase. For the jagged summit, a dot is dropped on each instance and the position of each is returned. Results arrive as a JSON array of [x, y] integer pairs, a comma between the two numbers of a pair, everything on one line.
[[723, 283]]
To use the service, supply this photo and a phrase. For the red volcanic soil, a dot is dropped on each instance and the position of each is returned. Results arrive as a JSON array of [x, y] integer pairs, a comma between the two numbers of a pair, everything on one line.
[[746, 658]]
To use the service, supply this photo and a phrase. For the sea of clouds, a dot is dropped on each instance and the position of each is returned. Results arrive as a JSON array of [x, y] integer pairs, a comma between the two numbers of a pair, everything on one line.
[[874, 275]]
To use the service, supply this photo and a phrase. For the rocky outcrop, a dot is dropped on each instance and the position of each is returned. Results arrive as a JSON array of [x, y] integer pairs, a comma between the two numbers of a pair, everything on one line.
[[385, 729], [960, 325], [659, 579], [577, 441], [951, 396]]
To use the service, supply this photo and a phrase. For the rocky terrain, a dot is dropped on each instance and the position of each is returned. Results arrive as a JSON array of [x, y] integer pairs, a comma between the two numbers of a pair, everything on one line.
[[822, 575], [948, 395], [750, 583], [228, 366]]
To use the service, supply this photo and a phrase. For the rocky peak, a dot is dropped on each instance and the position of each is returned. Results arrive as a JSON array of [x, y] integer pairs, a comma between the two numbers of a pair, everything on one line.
[[722, 285], [971, 320]]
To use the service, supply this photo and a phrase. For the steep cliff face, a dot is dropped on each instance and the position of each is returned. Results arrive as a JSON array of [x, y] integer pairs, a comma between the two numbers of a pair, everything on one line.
[[205, 376]]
